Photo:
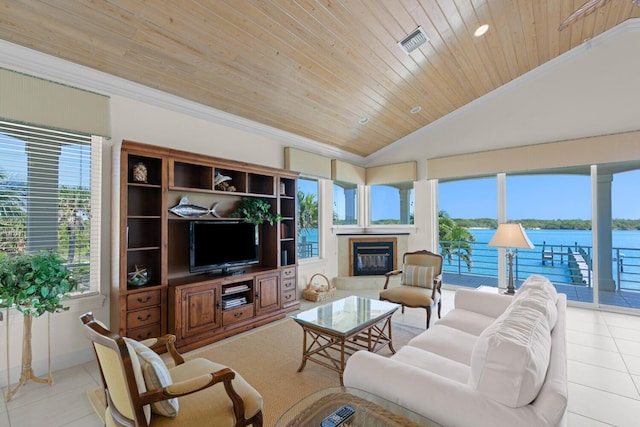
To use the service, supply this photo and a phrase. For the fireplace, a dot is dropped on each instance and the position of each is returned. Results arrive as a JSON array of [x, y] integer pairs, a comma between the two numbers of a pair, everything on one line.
[[372, 256]]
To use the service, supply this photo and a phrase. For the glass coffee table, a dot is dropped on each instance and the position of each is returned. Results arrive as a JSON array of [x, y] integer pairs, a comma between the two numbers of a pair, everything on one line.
[[370, 410], [335, 330]]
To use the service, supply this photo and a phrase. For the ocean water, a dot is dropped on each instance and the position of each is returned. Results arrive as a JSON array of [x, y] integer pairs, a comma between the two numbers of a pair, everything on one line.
[[625, 243]]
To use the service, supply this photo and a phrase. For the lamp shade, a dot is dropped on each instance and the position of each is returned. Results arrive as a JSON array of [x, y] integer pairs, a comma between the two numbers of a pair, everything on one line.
[[510, 235]]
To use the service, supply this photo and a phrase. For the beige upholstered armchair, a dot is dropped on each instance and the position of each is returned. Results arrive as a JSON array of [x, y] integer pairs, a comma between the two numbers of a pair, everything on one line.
[[420, 282], [141, 391]]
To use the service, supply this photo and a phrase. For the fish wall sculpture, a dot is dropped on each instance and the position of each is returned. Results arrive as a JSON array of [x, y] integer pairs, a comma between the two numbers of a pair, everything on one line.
[[186, 209]]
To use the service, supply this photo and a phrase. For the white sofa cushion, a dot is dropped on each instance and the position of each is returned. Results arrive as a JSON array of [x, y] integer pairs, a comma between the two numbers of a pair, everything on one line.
[[510, 358], [428, 361], [466, 321], [447, 342]]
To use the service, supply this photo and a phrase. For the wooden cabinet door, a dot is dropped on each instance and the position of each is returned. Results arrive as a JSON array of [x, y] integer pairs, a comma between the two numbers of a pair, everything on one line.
[[200, 310], [267, 293]]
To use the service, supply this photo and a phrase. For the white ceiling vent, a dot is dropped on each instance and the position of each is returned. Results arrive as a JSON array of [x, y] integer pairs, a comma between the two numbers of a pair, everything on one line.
[[414, 40]]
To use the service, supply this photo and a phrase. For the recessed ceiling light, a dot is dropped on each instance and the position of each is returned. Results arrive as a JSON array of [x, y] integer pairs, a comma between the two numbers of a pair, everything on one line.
[[416, 109], [482, 29], [363, 120]]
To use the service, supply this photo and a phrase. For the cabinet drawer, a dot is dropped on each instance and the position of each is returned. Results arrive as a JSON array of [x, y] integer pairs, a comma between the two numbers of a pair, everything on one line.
[[149, 331], [145, 317], [288, 272], [143, 299], [289, 296], [288, 284], [230, 317]]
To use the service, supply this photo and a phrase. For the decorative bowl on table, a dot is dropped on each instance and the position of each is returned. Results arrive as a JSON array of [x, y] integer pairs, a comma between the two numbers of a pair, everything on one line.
[[139, 277]]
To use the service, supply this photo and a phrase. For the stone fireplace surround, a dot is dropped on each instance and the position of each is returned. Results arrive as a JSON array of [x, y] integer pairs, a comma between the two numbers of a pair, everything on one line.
[[345, 281]]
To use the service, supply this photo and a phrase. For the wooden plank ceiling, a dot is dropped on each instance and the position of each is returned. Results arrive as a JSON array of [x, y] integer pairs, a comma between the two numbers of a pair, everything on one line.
[[313, 68]]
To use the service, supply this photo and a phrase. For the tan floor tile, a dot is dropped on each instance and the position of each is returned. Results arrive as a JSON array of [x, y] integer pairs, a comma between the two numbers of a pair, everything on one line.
[[591, 340], [584, 315], [577, 420], [604, 379], [588, 327], [622, 320], [633, 363], [604, 407], [625, 333], [631, 348], [595, 356]]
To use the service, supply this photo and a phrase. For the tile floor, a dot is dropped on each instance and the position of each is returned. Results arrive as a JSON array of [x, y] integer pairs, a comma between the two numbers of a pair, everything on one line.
[[603, 362]]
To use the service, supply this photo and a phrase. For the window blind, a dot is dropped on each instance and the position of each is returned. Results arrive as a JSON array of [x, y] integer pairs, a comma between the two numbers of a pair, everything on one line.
[[50, 196]]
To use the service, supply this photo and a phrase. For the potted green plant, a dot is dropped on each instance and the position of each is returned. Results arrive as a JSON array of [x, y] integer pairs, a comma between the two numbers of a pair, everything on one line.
[[256, 211], [34, 284]]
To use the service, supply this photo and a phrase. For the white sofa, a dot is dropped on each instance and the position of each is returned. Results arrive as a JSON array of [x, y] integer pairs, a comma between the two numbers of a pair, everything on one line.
[[494, 360]]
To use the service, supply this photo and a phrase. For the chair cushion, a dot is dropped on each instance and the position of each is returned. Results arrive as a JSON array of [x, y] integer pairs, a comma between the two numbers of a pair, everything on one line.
[[411, 296], [415, 275], [156, 376], [510, 358], [211, 406]]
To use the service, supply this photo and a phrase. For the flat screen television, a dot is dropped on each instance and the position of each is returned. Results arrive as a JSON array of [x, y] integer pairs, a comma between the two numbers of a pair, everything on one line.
[[222, 245]]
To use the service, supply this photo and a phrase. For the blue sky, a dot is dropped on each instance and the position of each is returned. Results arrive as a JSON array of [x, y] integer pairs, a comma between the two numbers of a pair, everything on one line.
[[528, 196], [538, 196]]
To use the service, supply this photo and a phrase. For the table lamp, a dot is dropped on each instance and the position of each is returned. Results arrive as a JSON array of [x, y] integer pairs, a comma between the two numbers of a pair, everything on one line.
[[509, 236]]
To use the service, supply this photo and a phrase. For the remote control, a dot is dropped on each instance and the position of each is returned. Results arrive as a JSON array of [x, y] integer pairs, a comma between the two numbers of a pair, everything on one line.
[[339, 416]]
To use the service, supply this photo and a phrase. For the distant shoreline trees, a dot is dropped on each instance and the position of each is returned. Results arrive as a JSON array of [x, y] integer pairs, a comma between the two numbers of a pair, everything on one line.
[[549, 224]]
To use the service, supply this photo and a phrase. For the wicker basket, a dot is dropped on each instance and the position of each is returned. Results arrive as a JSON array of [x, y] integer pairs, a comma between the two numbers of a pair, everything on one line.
[[312, 293]]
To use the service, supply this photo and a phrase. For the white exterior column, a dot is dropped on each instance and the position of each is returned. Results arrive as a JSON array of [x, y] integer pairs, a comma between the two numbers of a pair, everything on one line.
[[605, 241]]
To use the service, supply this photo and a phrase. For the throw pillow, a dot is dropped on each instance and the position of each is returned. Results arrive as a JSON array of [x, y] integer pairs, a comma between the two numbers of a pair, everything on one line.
[[541, 283], [156, 376], [509, 360], [416, 275]]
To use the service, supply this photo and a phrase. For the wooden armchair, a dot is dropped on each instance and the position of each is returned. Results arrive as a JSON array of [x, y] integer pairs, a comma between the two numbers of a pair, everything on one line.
[[421, 282], [198, 391]]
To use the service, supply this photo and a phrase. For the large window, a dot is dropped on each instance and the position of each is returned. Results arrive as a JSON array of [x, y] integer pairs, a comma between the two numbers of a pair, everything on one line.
[[345, 203], [308, 218], [467, 218], [391, 204], [50, 195], [554, 207]]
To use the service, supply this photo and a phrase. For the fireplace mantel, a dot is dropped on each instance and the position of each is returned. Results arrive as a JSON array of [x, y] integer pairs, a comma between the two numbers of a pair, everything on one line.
[[378, 231]]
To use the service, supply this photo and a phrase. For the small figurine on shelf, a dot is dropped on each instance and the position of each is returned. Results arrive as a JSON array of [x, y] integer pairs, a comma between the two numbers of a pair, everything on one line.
[[221, 183], [140, 172]]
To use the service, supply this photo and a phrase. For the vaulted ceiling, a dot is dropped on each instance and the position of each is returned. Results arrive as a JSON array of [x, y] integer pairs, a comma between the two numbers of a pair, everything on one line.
[[313, 68]]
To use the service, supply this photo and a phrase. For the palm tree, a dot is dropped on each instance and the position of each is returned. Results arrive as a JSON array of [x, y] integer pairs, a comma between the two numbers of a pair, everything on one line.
[[307, 212], [13, 216], [455, 240]]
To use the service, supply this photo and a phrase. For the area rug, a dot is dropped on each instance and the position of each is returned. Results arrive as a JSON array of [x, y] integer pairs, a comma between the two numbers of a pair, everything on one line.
[[268, 358]]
